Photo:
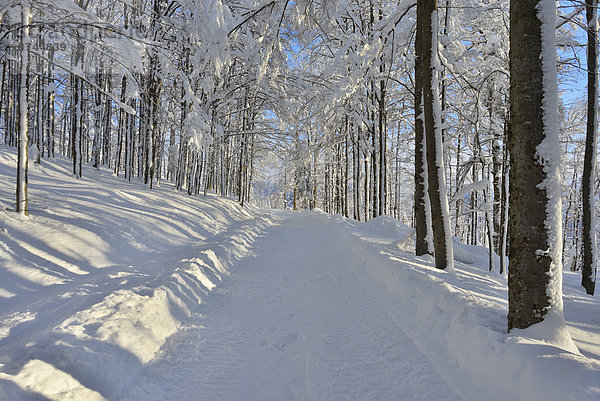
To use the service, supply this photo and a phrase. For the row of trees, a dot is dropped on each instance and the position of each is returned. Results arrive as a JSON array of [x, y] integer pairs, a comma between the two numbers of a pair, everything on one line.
[[535, 190], [360, 108], [150, 89]]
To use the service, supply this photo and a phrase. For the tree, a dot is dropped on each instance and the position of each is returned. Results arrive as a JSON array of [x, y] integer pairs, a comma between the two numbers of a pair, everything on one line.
[[436, 181], [422, 213], [23, 112], [534, 277], [588, 270]]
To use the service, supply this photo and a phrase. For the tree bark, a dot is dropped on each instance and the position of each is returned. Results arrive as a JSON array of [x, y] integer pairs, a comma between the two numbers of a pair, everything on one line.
[[588, 270], [534, 277], [421, 227], [436, 182], [22, 200]]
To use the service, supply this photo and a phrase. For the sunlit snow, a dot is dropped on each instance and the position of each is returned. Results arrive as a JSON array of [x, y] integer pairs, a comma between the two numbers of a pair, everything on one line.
[[115, 291]]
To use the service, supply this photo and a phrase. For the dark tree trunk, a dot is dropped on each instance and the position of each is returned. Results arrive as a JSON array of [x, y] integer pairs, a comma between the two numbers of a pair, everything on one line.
[[421, 244], [534, 256], [588, 269], [436, 185]]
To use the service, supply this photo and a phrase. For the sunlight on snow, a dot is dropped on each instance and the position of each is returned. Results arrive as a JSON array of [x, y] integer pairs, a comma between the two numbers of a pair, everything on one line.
[[35, 275], [13, 320], [44, 379], [52, 259], [4, 293]]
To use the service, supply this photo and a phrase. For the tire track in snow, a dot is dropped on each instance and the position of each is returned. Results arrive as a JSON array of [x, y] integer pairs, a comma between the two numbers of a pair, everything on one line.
[[202, 361], [293, 323]]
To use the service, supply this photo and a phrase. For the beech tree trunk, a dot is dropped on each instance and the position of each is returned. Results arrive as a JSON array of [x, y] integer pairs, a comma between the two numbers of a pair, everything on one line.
[[588, 270], [21, 206], [420, 211], [436, 181], [534, 277]]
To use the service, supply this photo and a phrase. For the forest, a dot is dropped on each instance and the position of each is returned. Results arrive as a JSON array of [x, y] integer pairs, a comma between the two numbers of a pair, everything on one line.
[[416, 110]]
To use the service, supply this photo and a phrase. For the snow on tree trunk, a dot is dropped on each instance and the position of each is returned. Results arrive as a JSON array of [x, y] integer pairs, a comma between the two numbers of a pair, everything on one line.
[[588, 270], [497, 184], [535, 276], [76, 126], [23, 115], [440, 215], [504, 209]]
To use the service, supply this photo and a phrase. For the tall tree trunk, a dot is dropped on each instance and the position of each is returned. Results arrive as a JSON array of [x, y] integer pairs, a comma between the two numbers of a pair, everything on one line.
[[22, 200], [422, 228], [3, 95], [588, 270], [496, 173], [504, 199], [535, 269], [50, 105], [382, 144], [346, 180], [357, 166], [440, 215], [40, 113]]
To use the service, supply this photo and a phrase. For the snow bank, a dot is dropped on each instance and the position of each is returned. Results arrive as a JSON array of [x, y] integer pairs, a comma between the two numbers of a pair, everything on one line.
[[42, 378], [138, 320], [460, 322], [134, 322]]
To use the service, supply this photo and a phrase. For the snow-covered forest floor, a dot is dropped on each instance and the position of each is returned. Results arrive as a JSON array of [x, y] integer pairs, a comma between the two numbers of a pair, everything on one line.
[[110, 290]]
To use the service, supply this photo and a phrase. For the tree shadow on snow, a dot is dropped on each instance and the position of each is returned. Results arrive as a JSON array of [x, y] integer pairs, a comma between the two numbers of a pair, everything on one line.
[[97, 365]]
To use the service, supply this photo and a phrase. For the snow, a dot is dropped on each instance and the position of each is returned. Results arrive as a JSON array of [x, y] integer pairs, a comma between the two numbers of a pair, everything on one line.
[[43, 378], [461, 320], [114, 291], [475, 186], [103, 272], [548, 154], [425, 177], [439, 143]]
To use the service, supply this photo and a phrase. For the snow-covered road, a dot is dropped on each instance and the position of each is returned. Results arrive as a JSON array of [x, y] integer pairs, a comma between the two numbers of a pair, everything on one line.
[[295, 321], [112, 291]]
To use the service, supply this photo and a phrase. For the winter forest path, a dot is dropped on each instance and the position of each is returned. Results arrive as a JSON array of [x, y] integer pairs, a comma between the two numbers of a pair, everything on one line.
[[295, 321]]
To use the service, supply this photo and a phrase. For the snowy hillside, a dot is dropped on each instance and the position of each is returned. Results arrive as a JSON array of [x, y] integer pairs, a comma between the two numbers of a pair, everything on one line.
[[101, 274], [114, 291]]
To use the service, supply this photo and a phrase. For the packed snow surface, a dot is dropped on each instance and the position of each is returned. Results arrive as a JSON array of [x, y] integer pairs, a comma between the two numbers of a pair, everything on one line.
[[112, 291]]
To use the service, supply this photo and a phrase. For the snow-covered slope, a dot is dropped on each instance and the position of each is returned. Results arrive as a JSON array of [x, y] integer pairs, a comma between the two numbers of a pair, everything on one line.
[[114, 291], [101, 273], [460, 320]]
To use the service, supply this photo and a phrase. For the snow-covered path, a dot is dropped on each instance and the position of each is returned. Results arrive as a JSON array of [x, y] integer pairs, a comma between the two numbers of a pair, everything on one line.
[[296, 321], [111, 291]]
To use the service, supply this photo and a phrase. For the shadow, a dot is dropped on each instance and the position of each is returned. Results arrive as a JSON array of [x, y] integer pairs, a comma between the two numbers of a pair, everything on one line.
[[26, 255], [9, 391], [98, 366], [125, 224]]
